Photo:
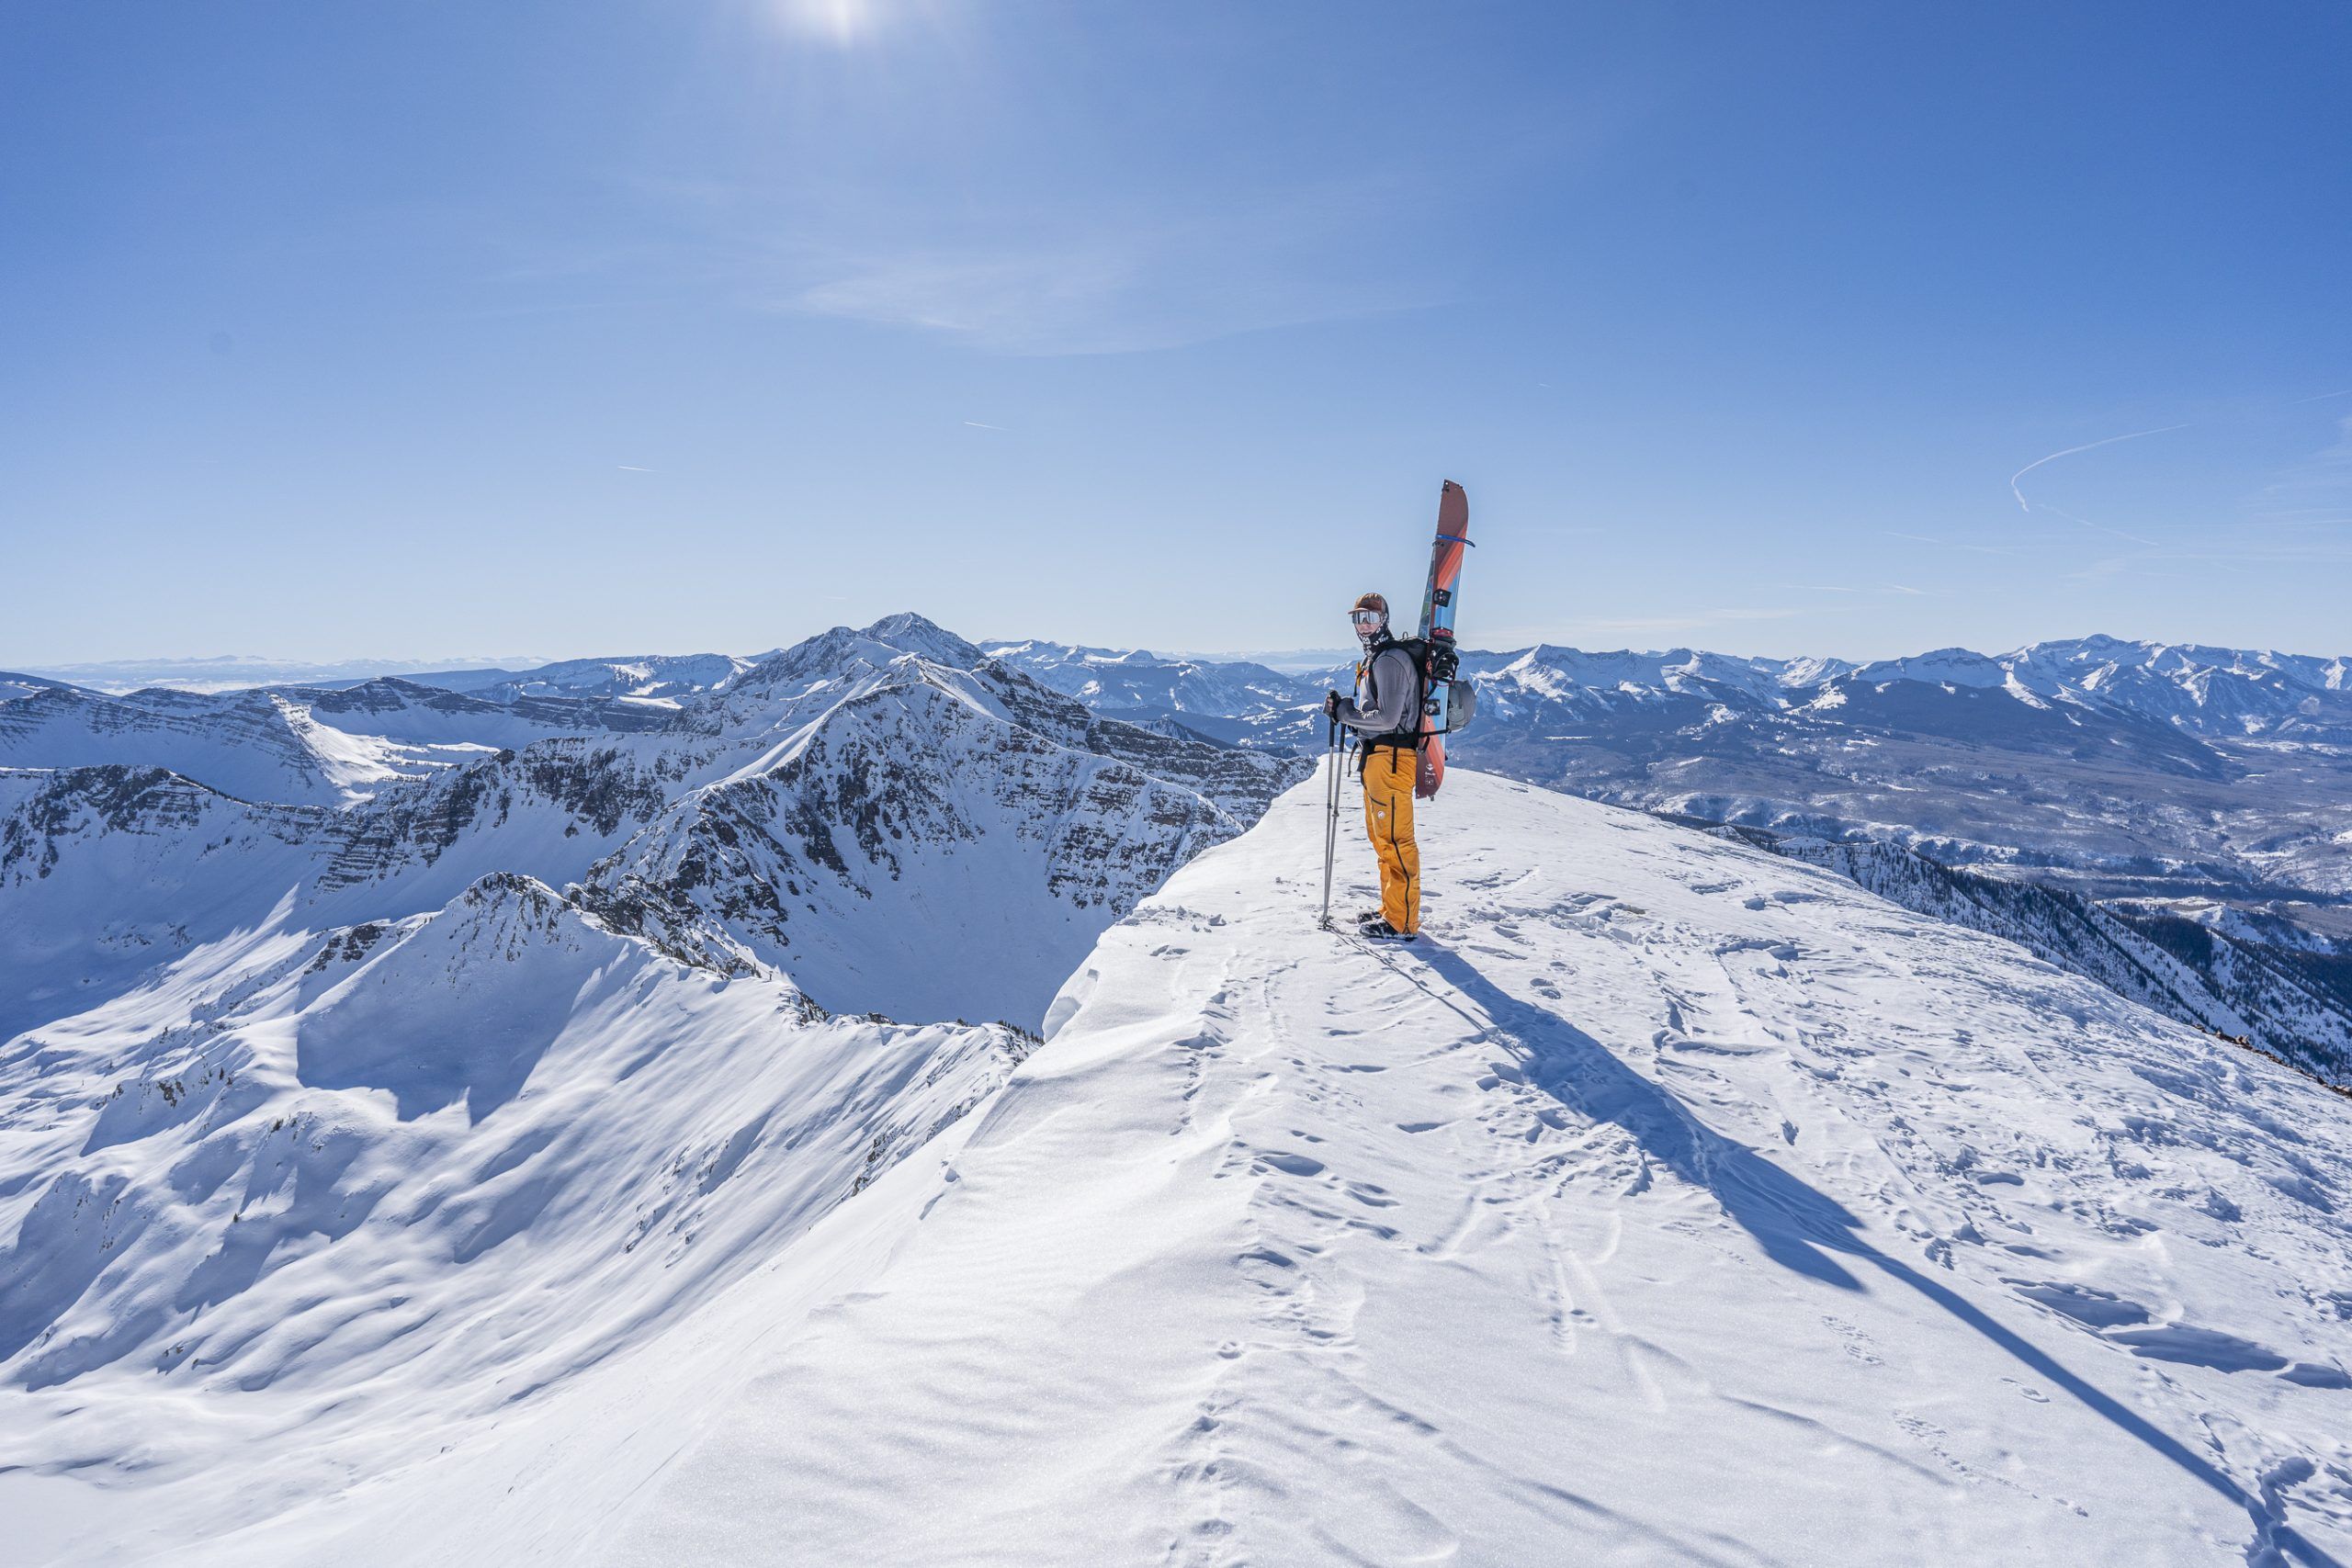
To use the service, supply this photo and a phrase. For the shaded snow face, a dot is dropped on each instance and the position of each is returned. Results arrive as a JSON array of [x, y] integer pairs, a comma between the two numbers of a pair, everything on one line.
[[375, 1189]]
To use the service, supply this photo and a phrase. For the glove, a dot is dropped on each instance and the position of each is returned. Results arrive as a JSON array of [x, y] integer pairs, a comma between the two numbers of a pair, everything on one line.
[[1331, 703]]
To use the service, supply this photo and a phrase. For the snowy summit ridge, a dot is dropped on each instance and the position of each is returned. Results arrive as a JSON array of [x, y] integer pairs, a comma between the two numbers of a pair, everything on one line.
[[1675, 1203]]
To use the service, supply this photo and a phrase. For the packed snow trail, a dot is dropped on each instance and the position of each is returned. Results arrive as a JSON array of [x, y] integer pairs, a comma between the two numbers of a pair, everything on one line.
[[1673, 1205]]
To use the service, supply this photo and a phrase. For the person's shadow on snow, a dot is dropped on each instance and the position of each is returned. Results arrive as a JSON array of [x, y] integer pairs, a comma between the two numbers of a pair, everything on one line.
[[1797, 1225]]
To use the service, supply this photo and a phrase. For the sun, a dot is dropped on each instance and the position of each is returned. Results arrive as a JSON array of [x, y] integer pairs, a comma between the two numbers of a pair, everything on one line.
[[839, 22]]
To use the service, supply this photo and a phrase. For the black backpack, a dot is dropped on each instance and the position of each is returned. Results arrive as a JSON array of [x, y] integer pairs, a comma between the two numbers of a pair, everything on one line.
[[1432, 662]]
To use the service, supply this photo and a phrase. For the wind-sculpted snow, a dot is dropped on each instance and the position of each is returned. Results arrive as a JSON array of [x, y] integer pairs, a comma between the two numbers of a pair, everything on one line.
[[2287, 1000], [370, 1193], [331, 1131]]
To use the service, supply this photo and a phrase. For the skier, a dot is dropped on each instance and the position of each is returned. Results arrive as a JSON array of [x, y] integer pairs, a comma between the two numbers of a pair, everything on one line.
[[1387, 711]]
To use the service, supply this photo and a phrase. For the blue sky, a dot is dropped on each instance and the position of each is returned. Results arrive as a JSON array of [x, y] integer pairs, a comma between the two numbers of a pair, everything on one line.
[[445, 328]]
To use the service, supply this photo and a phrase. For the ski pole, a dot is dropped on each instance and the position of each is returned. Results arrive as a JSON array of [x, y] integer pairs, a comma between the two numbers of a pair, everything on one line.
[[1330, 821]]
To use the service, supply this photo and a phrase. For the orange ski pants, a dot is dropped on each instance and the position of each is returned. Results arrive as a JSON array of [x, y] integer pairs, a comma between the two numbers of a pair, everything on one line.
[[1388, 772]]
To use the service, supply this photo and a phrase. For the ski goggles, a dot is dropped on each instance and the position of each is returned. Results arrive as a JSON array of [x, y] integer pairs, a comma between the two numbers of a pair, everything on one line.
[[1366, 618]]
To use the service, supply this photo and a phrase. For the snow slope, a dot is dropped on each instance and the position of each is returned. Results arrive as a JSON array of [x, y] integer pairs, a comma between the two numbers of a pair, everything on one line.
[[256, 746], [282, 1228], [1676, 1204], [2268, 980]]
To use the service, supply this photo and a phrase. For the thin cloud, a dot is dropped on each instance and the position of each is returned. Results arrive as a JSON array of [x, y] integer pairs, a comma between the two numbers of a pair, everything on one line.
[[2085, 447], [1123, 294], [2314, 492], [976, 425], [633, 468]]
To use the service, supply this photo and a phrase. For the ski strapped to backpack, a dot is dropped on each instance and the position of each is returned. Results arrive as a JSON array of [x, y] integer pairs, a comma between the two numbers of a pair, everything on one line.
[[1447, 704]]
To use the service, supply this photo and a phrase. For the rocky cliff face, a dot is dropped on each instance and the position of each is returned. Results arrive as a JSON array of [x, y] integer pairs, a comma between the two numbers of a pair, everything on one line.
[[937, 842]]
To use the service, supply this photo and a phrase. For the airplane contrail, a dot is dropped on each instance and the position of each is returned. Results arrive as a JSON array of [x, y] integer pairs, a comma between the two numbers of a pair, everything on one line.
[[2072, 450], [633, 468]]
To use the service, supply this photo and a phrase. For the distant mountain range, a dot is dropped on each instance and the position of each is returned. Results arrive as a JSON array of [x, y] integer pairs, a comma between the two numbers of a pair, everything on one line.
[[770, 814], [231, 673], [2148, 782], [2121, 767]]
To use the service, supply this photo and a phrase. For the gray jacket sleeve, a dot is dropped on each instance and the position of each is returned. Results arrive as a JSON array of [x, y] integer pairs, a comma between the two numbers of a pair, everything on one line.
[[1395, 695]]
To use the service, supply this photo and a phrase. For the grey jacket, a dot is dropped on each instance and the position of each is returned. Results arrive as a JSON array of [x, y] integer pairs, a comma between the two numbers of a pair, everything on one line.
[[1387, 693]]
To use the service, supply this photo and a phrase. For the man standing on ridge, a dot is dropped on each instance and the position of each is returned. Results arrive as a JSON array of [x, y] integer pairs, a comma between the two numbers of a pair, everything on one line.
[[1386, 713]]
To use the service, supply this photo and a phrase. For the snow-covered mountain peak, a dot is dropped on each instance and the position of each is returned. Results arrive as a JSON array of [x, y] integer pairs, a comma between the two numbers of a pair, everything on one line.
[[1953, 666], [912, 633], [458, 1008], [845, 653]]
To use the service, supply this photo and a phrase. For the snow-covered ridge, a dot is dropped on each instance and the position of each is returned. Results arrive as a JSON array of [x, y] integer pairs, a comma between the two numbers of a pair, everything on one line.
[[1678, 1198], [1135, 680], [654, 678], [1673, 1199]]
